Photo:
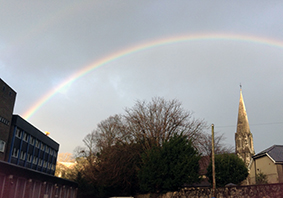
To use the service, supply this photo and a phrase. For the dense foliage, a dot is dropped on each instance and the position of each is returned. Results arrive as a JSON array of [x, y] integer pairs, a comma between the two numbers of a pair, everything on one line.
[[169, 167], [117, 169], [229, 168]]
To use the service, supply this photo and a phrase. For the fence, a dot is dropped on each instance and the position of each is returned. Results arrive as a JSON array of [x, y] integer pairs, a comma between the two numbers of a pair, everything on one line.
[[18, 182]]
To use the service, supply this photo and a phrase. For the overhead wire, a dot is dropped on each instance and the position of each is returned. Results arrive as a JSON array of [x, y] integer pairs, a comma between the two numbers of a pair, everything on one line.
[[271, 123]]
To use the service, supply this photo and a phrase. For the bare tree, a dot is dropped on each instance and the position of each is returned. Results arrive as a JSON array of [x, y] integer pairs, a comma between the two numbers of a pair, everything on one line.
[[155, 122], [112, 131], [149, 123], [86, 157], [205, 146], [65, 157]]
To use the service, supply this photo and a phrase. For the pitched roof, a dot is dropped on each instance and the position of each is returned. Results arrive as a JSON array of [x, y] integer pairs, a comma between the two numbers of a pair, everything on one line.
[[275, 152]]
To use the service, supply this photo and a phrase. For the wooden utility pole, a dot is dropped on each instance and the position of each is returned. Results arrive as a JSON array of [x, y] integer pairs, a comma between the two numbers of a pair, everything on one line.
[[213, 163]]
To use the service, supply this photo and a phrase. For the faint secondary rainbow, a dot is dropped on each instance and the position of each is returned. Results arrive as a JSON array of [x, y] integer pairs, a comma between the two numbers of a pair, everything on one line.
[[141, 47]]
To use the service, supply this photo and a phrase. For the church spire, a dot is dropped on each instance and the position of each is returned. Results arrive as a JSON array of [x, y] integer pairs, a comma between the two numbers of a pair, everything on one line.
[[243, 123], [243, 136]]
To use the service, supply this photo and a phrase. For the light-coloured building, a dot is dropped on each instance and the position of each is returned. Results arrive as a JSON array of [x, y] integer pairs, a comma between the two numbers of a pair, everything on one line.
[[270, 163]]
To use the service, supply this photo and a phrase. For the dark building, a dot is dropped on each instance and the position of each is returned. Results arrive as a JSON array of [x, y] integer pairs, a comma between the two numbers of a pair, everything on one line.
[[20, 142], [30, 148], [7, 102]]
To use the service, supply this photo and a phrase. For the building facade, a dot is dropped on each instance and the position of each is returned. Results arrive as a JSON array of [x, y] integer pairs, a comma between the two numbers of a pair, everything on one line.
[[243, 136], [7, 102], [30, 148], [268, 162], [20, 142]]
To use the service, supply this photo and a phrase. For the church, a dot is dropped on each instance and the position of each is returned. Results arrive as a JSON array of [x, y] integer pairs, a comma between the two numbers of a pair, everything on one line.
[[268, 162]]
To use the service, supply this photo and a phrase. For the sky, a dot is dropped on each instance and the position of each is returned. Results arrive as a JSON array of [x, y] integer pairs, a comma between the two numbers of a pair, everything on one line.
[[75, 63]]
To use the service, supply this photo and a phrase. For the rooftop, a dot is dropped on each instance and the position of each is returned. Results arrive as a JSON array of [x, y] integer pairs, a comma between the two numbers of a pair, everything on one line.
[[275, 152]]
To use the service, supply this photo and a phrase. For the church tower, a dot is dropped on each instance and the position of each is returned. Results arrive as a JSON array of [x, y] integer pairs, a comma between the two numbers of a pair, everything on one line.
[[243, 136]]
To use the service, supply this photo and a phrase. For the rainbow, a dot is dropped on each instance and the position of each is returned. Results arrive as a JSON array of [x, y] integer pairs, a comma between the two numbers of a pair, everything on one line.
[[141, 47]]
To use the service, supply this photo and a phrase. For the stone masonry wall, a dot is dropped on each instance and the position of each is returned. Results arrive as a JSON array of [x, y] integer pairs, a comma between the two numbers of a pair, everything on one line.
[[251, 191]]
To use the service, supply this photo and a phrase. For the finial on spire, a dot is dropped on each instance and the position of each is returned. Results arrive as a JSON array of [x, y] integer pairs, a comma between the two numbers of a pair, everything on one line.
[[240, 86]]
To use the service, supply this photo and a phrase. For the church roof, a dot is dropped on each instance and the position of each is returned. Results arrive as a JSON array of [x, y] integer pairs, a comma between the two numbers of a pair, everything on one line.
[[243, 123], [275, 152]]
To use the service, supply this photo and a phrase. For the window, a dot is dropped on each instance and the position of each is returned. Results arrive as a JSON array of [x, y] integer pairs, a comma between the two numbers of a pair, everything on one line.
[[40, 162], [53, 153], [15, 152], [36, 144], [42, 146], [2, 146], [47, 149], [34, 160], [18, 133], [23, 155], [31, 140], [25, 137], [29, 157], [3, 120]]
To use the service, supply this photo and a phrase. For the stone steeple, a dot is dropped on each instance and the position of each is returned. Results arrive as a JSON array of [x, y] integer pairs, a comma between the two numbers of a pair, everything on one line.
[[243, 136]]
